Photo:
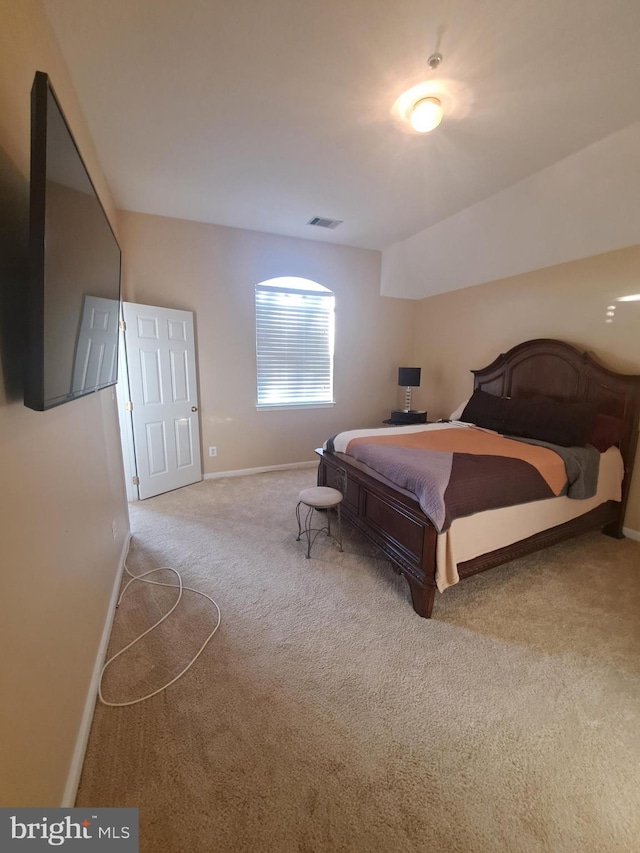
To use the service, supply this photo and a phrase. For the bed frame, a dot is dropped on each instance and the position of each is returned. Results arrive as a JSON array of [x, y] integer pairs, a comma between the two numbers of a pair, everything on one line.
[[399, 528]]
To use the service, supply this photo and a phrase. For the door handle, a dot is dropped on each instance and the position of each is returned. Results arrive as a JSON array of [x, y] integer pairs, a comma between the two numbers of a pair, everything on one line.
[[194, 408]]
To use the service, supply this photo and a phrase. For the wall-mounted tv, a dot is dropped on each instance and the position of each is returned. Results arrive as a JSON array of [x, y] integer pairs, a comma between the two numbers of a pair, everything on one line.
[[74, 267]]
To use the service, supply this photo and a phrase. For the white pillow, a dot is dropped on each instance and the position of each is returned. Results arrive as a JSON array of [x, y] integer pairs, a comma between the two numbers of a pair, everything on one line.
[[455, 416]]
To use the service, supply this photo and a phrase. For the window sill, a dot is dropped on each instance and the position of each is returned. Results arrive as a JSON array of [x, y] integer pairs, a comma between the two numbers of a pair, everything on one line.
[[293, 407]]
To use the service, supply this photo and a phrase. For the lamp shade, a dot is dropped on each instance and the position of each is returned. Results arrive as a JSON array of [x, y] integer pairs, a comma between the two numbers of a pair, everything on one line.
[[409, 376]]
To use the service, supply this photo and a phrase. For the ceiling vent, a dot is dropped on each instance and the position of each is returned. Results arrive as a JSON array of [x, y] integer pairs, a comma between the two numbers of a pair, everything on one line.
[[321, 222]]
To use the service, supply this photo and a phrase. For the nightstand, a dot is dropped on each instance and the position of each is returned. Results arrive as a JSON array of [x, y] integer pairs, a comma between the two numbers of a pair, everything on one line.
[[400, 418]]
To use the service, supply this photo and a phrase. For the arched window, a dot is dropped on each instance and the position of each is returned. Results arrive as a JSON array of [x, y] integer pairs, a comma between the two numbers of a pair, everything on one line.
[[294, 342]]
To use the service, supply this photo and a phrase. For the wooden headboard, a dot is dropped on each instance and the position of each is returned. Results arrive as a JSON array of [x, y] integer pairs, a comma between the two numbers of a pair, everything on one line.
[[560, 371]]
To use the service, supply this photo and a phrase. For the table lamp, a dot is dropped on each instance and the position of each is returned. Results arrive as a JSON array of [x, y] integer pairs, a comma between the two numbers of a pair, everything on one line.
[[409, 377]]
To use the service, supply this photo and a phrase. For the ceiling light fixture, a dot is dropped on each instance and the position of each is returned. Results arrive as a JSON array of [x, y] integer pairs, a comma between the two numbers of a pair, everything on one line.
[[426, 115]]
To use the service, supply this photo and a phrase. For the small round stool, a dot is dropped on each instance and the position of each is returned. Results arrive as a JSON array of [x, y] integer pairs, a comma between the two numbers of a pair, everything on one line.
[[318, 497]]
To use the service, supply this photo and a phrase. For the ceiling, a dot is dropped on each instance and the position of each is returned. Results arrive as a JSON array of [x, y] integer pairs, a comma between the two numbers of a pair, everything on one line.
[[261, 114]]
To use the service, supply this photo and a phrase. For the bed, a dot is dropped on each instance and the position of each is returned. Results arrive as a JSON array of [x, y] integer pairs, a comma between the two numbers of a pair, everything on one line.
[[393, 520]]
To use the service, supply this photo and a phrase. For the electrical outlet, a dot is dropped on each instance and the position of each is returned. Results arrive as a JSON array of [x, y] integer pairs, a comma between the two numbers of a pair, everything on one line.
[[114, 529], [213, 451]]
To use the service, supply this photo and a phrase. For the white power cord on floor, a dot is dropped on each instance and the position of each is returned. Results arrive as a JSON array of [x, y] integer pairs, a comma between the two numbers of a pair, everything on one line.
[[179, 586]]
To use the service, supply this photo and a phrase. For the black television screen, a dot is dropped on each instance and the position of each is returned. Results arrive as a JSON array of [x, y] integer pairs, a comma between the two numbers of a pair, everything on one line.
[[74, 267]]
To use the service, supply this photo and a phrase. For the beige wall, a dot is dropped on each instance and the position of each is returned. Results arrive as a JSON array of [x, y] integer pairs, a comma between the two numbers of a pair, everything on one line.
[[62, 483], [212, 271], [466, 329]]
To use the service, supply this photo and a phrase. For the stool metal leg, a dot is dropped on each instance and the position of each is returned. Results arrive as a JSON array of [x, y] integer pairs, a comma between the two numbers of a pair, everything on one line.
[[298, 517], [307, 528]]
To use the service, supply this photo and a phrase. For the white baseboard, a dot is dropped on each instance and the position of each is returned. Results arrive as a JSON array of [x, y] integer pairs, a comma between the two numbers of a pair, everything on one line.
[[243, 472], [77, 760], [631, 534]]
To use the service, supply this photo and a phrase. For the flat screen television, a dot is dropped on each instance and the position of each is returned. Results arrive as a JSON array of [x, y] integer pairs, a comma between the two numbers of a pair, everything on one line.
[[74, 267]]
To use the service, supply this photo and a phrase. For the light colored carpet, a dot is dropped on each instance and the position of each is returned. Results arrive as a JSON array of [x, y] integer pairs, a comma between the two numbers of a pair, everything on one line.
[[326, 716]]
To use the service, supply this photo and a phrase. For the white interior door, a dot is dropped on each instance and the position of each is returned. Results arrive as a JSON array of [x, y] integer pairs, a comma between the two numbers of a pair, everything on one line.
[[161, 358]]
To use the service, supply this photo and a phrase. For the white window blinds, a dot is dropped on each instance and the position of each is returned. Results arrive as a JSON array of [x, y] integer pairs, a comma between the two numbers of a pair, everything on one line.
[[294, 344]]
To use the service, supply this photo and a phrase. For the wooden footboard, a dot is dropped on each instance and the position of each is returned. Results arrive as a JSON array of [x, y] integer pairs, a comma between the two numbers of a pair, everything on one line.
[[391, 521]]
